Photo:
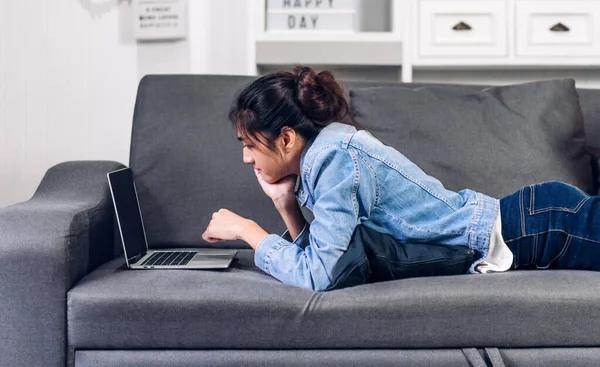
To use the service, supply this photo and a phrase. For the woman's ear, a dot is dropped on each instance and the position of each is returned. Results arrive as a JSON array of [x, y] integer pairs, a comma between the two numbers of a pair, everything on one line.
[[288, 136]]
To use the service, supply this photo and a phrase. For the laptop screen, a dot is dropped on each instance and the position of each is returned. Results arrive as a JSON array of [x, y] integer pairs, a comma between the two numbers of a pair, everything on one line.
[[128, 213]]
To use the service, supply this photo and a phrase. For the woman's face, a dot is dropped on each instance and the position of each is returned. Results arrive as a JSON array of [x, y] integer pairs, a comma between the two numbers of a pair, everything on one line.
[[273, 165], [267, 163]]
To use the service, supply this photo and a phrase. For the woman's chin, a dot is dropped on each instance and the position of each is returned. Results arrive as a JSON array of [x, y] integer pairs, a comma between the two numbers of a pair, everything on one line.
[[270, 179]]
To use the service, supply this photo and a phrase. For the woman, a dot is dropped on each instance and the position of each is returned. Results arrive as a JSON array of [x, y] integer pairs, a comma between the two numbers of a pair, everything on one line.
[[296, 129]]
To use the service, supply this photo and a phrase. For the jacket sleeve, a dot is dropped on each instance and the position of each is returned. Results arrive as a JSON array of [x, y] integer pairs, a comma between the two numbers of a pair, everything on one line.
[[302, 239], [329, 260]]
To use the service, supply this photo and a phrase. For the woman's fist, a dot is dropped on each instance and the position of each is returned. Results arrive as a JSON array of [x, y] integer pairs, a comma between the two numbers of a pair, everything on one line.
[[224, 226]]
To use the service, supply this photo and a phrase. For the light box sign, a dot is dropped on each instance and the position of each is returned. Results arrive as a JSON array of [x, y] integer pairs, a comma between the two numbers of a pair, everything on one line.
[[160, 19], [311, 4], [302, 15]]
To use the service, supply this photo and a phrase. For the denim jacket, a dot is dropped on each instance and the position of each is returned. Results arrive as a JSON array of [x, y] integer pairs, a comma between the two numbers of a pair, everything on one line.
[[348, 179]]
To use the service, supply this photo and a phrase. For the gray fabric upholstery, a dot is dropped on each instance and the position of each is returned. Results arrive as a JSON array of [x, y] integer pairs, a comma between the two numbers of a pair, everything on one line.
[[243, 308], [195, 167], [527, 357], [596, 172], [274, 358], [47, 244], [590, 104], [552, 357], [494, 141], [589, 100]]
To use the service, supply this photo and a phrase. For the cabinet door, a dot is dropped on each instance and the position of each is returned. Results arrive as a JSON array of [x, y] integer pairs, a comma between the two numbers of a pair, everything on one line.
[[557, 28], [462, 28]]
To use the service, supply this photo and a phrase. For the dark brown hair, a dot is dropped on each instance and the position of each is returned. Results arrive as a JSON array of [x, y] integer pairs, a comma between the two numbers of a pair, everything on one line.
[[302, 100]]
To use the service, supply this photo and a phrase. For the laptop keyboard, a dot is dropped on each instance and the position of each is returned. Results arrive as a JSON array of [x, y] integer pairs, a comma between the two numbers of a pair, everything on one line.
[[170, 258]]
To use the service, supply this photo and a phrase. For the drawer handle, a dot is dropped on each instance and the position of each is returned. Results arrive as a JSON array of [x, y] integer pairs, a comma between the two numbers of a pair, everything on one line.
[[559, 27], [462, 26]]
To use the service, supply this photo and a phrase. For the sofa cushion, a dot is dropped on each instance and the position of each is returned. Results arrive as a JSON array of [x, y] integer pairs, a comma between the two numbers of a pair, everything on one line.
[[596, 170], [279, 358], [495, 140], [244, 308], [590, 104], [547, 357], [187, 162]]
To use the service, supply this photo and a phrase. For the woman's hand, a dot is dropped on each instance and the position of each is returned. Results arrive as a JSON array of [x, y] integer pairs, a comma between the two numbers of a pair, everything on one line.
[[281, 191], [224, 226], [227, 226]]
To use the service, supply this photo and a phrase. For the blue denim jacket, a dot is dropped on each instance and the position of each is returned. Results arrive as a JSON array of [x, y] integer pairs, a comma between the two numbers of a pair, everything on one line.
[[349, 178]]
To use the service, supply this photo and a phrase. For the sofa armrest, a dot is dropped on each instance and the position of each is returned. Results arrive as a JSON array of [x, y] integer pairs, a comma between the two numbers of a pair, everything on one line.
[[47, 244]]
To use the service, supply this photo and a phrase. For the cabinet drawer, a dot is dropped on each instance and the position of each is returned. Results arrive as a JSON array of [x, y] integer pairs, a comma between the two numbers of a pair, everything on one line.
[[558, 28], [462, 28]]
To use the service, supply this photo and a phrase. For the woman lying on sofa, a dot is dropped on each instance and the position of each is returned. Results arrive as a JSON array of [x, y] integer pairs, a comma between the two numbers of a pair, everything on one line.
[[377, 216]]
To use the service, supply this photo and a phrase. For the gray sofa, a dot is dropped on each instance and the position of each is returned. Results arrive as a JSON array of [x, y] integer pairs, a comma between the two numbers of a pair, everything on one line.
[[67, 300]]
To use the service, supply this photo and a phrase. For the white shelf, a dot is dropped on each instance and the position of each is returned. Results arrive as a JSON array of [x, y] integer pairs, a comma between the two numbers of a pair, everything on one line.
[[507, 63], [329, 36], [377, 49], [327, 48]]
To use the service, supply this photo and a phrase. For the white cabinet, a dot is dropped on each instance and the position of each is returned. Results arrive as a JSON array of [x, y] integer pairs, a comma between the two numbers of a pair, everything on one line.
[[503, 34], [462, 28], [438, 34], [557, 28]]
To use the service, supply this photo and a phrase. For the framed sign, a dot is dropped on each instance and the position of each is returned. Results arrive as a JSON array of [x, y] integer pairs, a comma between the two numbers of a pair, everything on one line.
[[160, 19]]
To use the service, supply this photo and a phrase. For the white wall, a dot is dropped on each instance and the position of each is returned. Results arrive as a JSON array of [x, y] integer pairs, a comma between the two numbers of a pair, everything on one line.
[[69, 82], [69, 71]]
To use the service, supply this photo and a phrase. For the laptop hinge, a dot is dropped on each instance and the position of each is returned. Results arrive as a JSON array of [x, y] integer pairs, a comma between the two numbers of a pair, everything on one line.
[[138, 257]]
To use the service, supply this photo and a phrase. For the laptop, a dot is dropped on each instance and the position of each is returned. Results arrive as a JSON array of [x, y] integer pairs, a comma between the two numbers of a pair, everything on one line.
[[133, 234]]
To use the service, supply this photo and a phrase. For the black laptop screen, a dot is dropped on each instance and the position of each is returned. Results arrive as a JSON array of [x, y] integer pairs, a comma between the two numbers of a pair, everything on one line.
[[128, 213]]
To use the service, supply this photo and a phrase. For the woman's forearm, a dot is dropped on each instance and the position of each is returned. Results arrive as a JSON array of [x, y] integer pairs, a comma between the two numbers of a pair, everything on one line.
[[292, 216], [253, 234]]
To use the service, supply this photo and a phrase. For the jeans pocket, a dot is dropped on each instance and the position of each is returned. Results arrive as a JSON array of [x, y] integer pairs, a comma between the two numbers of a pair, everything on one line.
[[555, 196], [549, 254]]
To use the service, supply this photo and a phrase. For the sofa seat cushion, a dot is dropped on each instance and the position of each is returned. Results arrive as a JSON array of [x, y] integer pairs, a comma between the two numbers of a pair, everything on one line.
[[547, 357], [244, 308]]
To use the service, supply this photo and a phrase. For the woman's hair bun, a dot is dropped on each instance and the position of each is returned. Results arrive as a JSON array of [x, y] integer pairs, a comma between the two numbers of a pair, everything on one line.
[[320, 96]]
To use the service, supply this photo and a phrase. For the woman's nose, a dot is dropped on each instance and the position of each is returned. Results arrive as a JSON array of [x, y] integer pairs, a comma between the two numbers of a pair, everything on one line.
[[248, 159]]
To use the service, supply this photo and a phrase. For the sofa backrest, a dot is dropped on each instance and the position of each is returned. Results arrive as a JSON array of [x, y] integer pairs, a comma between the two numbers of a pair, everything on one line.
[[187, 162], [590, 104]]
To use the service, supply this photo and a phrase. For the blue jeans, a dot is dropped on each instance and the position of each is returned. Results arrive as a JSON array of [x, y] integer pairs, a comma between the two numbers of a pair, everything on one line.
[[552, 225]]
